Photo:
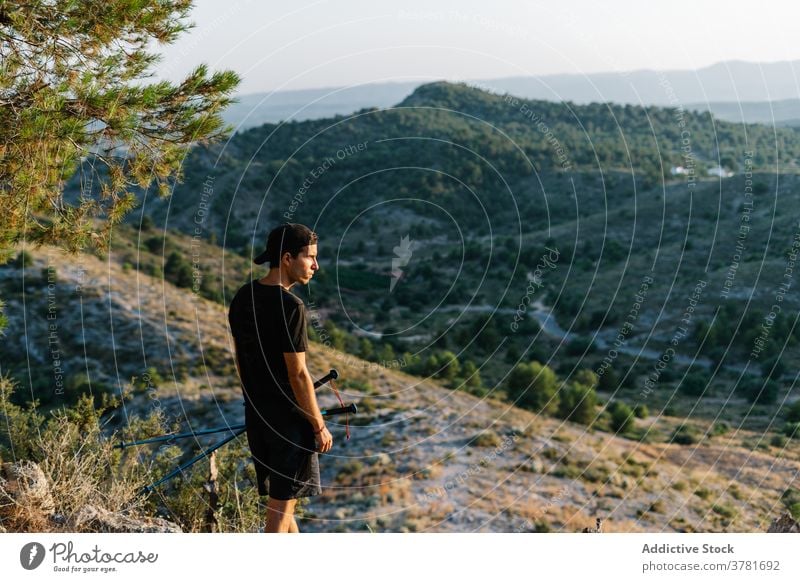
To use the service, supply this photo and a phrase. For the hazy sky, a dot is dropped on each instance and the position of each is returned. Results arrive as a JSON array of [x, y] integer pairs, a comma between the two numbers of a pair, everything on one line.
[[298, 44]]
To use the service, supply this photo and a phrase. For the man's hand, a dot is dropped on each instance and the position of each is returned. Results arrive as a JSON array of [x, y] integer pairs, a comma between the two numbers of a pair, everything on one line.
[[324, 440], [303, 388]]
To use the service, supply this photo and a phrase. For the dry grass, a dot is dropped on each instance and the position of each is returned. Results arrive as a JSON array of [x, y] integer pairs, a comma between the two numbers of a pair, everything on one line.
[[66, 464], [81, 470]]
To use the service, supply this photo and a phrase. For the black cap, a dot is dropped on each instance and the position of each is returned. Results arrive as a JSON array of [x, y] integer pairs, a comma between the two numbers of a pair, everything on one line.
[[289, 237]]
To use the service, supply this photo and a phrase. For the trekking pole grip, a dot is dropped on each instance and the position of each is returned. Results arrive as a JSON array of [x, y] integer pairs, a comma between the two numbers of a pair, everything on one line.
[[350, 408], [332, 375]]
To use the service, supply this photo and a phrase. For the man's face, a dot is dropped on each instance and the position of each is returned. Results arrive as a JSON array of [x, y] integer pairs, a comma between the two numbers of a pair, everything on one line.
[[301, 268]]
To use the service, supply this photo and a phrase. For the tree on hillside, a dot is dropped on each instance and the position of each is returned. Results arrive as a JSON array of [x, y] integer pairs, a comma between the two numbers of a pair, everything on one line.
[[622, 417], [471, 377], [695, 384], [533, 385], [608, 382], [179, 270], [759, 390], [577, 400], [449, 366], [73, 88], [793, 412]]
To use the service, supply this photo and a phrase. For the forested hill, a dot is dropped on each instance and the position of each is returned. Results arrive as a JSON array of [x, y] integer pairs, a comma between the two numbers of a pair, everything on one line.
[[646, 139], [469, 151]]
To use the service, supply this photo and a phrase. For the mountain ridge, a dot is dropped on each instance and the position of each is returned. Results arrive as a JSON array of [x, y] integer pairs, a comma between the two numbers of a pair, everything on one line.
[[605, 86]]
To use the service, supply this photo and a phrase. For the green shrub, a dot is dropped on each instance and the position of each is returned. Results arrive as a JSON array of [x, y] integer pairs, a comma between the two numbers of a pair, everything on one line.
[[577, 403], [694, 384], [791, 500], [533, 386], [49, 275], [720, 428], [352, 468], [551, 454], [773, 368], [365, 348], [757, 391], [471, 378], [622, 417], [579, 346], [778, 440], [449, 366], [685, 435], [155, 244], [792, 429], [178, 270], [486, 438], [585, 378], [703, 493], [725, 510], [793, 412], [608, 381], [150, 380], [78, 386], [356, 385], [146, 224], [367, 405]]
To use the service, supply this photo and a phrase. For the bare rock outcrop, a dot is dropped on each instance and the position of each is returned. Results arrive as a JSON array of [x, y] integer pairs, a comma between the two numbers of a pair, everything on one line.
[[26, 503], [784, 524]]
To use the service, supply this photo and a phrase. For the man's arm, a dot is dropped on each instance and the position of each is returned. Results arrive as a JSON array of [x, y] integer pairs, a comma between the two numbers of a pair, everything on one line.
[[236, 359], [303, 388]]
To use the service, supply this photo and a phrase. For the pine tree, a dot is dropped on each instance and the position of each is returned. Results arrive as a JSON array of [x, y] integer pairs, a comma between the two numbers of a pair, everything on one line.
[[534, 386], [73, 89]]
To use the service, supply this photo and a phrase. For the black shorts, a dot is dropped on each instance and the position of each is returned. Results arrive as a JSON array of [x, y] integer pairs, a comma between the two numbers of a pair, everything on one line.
[[285, 457]]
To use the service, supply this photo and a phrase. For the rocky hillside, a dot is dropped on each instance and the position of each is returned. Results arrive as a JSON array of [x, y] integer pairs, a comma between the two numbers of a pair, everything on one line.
[[421, 457]]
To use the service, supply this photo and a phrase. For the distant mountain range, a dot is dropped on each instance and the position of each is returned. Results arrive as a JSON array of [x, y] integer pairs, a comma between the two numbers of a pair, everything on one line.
[[733, 90], [784, 113]]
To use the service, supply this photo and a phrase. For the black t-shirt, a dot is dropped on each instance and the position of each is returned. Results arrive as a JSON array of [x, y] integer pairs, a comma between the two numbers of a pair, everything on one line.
[[267, 321]]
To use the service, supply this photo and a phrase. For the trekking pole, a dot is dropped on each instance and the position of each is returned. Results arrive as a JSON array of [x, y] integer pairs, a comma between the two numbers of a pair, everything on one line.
[[332, 375], [237, 430], [176, 436], [190, 462], [349, 409]]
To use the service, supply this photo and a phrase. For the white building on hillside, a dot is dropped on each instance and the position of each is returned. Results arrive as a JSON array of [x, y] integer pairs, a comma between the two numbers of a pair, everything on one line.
[[719, 172]]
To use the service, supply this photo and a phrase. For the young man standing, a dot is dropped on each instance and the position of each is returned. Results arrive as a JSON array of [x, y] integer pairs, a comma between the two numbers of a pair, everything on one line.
[[285, 429]]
